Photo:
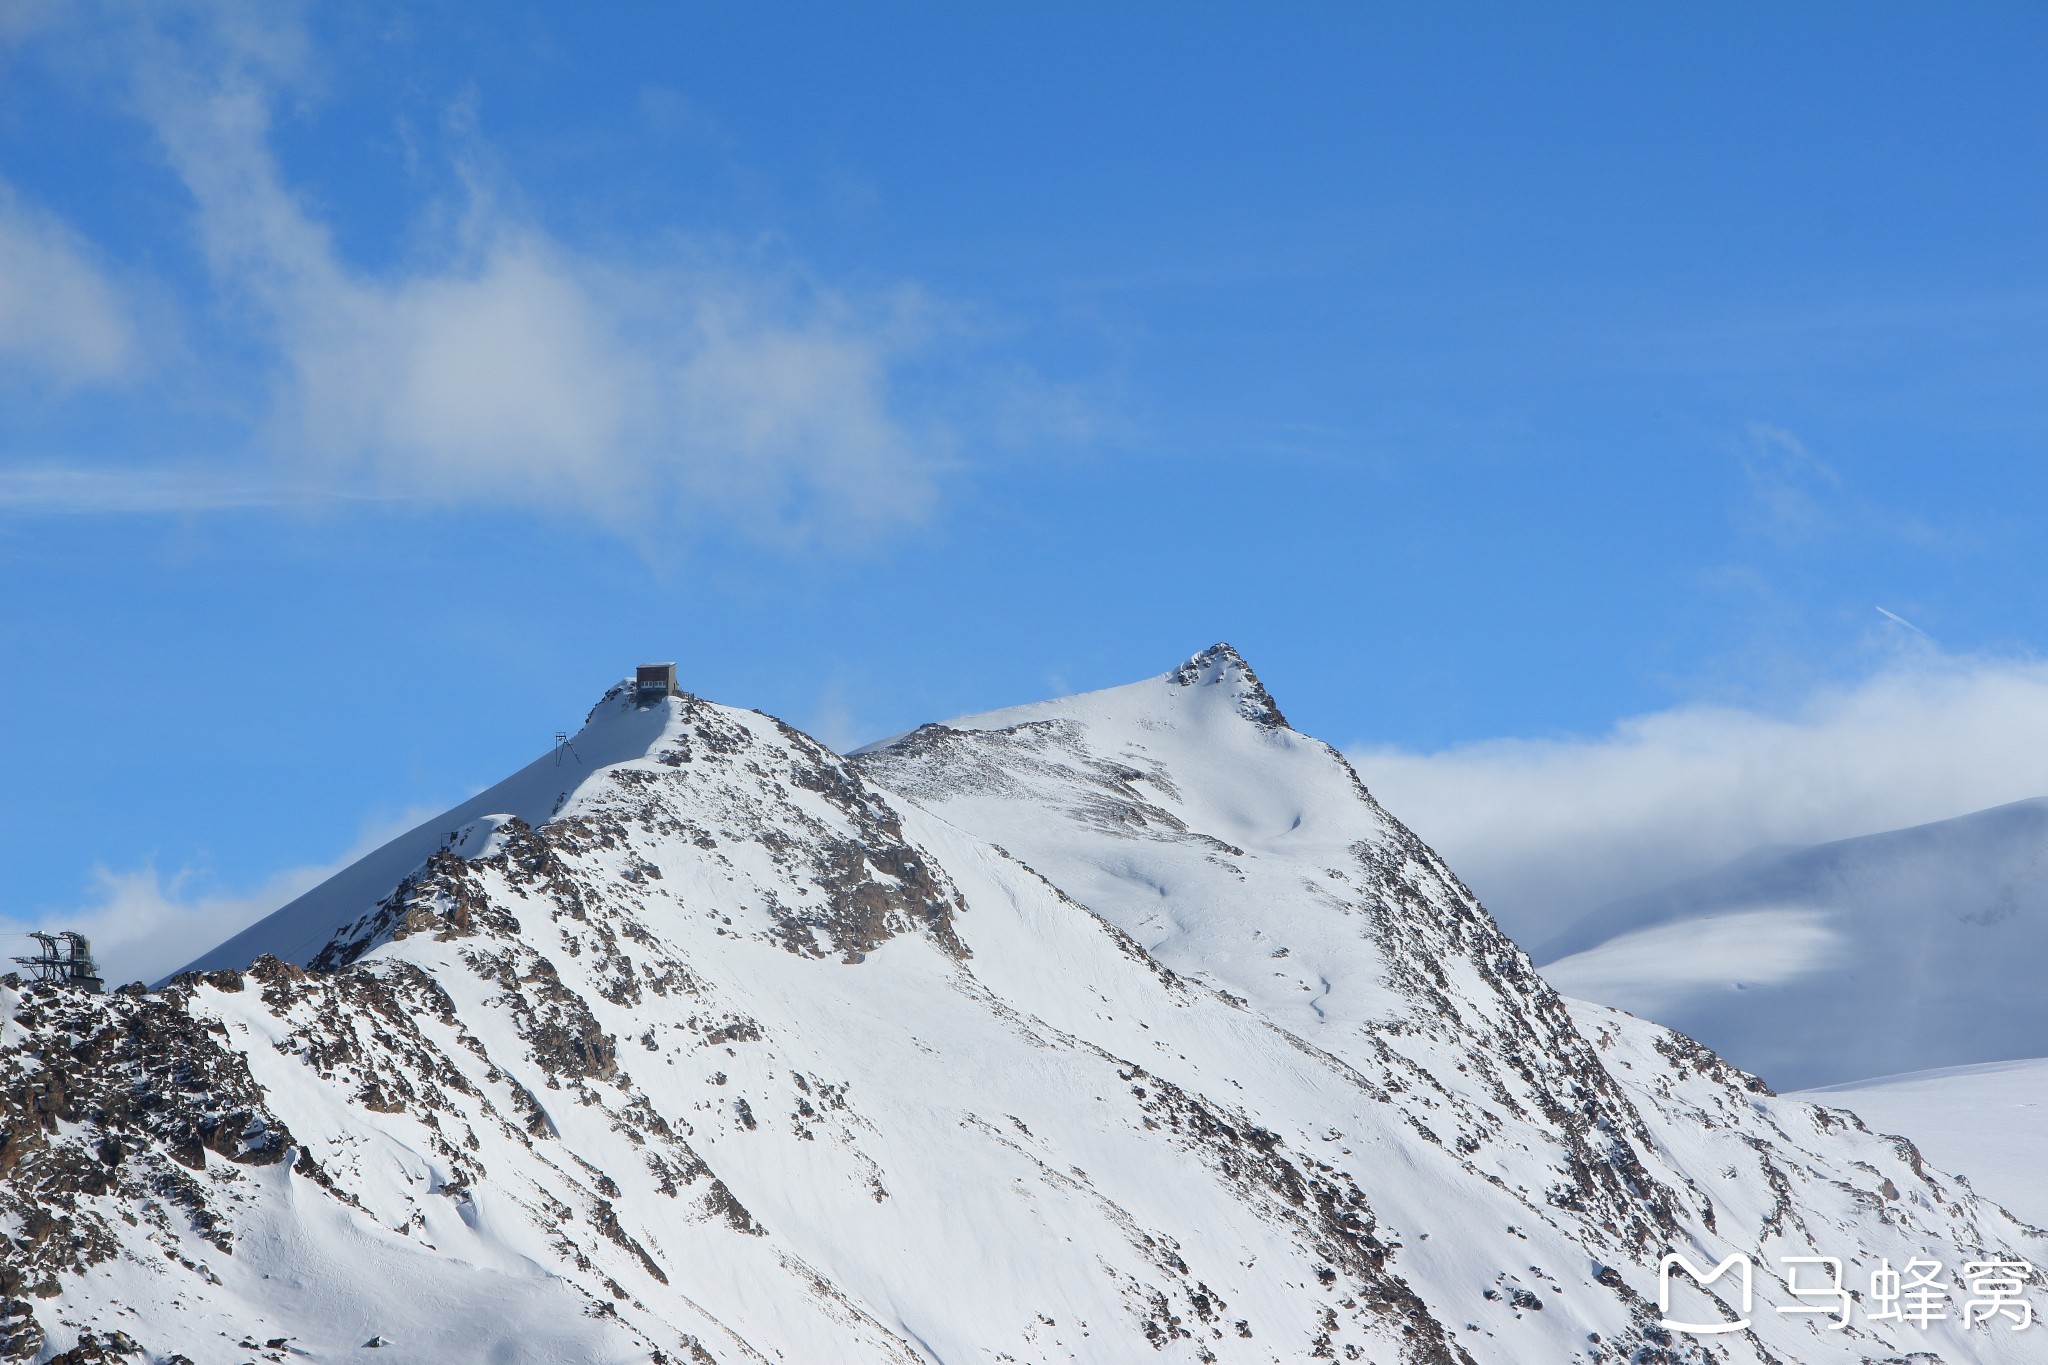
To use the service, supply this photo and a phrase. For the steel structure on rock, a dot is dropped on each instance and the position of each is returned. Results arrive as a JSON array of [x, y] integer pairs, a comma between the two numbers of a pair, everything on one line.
[[66, 959]]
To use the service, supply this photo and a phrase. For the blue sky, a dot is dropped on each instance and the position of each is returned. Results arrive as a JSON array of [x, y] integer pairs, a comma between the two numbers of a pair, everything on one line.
[[377, 383]]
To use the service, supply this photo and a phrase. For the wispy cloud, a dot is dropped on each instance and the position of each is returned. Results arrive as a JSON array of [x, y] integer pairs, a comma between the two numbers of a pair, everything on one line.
[[506, 366], [1799, 501], [62, 318], [683, 380], [1545, 830], [1792, 491]]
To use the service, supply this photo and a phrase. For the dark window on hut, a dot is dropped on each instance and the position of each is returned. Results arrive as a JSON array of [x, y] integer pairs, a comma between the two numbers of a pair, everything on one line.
[[654, 680]]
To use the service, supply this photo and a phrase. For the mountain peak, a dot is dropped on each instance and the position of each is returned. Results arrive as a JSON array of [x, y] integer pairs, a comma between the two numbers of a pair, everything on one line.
[[654, 1043], [1220, 665]]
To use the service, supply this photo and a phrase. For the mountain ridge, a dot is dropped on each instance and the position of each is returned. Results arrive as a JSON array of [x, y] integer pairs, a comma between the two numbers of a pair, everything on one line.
[[751, 1051]]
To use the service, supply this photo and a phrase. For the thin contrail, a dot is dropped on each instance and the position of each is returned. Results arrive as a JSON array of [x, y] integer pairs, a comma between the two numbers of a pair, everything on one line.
[[1894, 616]]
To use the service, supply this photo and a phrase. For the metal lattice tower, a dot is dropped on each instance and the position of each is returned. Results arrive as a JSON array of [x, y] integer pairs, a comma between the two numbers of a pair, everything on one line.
[[66, 960]]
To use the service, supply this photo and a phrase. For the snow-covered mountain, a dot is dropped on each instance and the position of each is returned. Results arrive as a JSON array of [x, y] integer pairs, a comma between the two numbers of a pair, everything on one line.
[[1126, 1027], [1914, 949], [1988, 1121]]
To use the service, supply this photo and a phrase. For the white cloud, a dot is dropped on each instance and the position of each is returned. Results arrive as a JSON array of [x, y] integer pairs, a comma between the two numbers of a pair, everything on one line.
[[61, 317], [1646, 970], [1545, 830], [505, 365], [144, 925]]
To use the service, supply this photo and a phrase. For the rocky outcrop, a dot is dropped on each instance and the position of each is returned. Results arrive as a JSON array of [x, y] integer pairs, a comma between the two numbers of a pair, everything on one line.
[[1221, 666], [110, 1106]]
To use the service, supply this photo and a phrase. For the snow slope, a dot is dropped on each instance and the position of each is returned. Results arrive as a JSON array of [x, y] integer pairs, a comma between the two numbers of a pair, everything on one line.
[[616, 731], [1185, 811], [1903, 951], [1988, 1122], [750, 1053]]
